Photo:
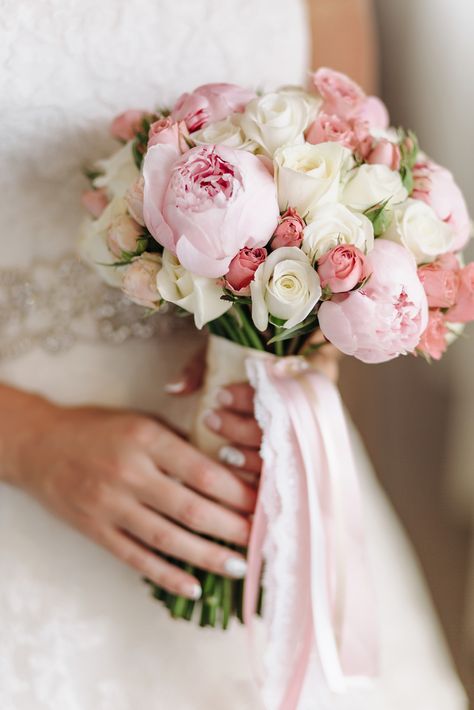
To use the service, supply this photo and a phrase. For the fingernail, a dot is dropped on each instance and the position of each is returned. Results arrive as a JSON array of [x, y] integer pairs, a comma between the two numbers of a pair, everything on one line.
[[225, 397], [175, 387], [193, 591], [212, 419], [235, 567], [232, 456]]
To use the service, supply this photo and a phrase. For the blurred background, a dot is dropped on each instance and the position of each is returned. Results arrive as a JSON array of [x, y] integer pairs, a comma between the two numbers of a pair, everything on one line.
[[418, 420]]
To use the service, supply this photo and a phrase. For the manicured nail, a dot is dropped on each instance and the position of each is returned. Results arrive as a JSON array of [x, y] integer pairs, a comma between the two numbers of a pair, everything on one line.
[[193, 591], [232, 456], [225, 397], [212, 419], [235, 567], [175, 387]]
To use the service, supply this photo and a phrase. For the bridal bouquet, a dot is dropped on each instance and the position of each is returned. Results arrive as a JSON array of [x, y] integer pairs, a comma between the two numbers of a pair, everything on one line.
[[268, 218]]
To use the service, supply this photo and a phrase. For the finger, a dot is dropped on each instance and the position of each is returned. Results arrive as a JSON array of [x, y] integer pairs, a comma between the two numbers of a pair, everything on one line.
[[185, 506], [185, 462], [241, 458], [234, 427], [161, 534], [191, 378], [238, 398], [147, 563]]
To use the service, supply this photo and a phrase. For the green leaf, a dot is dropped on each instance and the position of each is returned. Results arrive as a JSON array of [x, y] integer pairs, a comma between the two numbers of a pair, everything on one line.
[[307, 326], [380, 216], [407, 178]]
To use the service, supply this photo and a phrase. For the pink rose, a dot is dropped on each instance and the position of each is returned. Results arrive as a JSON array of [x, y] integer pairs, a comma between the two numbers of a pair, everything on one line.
[[346, 99], [463, 311], [134, 200], [385, 153], [123, 235], [166, 131], [289, 232], [209, 103], [342, 268], [327, 127], [434, 342], [435, 185], [440, 284], [139, 281], [242, 269], [207, 204], [384, 319], [126, 126], [95, 201]]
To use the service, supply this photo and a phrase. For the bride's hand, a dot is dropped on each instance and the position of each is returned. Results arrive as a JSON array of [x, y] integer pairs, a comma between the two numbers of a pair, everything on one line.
[[132, 485]]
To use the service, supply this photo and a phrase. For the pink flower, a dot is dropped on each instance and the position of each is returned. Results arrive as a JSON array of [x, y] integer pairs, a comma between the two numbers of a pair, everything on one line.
[[342, 268], [289, 232], [385, 153], [435, 185], [242, 269], [127, 124], [327, 127], [346, 99], [166, 131], [139, 281], [123, 235], [463, 311], [207, 204], [440, 283], [384, 319], [95, 201], [134, 200], [434, 342], [209, 103]]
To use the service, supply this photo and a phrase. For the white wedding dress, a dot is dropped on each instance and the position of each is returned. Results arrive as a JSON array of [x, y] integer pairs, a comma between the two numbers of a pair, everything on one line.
[[78, 630]]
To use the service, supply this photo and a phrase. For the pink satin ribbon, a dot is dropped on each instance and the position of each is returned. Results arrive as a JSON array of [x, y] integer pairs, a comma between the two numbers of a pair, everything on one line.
[[337, 610]]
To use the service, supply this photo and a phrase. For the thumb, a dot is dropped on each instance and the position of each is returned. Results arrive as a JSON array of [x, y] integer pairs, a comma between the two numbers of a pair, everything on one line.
[[191, 377]]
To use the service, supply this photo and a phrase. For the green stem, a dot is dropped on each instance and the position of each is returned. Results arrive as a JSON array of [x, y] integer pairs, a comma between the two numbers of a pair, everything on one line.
[[249, 329]]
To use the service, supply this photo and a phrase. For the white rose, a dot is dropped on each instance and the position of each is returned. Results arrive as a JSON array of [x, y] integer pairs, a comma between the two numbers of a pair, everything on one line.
[[195, 294], [308, 175], [93, 243], [227, 132], [276, 119], [333, 224], [117, 172], [285, 286], [313, 101], [371, 184], [416, 226]]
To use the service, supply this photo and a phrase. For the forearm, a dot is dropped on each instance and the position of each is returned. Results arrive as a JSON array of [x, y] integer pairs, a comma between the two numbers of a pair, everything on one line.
[[22, 417]]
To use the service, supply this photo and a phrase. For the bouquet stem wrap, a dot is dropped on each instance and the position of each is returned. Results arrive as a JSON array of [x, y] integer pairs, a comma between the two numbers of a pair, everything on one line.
[[307, 533]]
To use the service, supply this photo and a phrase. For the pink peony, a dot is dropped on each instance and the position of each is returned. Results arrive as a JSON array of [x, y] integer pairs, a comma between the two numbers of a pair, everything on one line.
[[166, 131], [242, 269], [434, 342], [463, 311], [95, 201], [327, 127], [207, 204], [289, 232], [435, 185], [127, 124], [123, 235], [209, 103], [440, 284], [372, 111], [342, 268], [384, 319], [385, 153]]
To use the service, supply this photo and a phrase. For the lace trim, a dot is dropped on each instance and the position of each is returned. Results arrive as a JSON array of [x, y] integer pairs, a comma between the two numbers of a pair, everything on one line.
[[54, 305]]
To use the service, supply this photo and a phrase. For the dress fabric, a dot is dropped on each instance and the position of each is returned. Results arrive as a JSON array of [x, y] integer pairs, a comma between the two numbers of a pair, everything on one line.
[[78, 630]]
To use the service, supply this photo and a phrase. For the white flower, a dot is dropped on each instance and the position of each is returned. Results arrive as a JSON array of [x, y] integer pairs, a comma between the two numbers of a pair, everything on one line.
[[93, 243], [416, 226], [117, 172], [276, 119], [285, 286], [195, 294], [333, 224], [308, 175], [227, 132], [371, 184], [313, 101]]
